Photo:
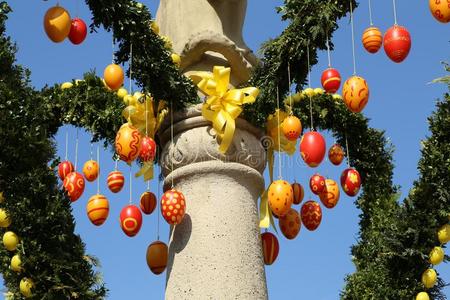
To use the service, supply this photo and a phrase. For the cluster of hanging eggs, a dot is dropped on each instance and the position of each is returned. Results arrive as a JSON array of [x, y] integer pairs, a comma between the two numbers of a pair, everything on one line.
[[58, 26]]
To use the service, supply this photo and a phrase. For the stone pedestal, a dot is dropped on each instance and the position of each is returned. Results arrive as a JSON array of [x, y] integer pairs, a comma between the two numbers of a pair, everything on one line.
[[215, 253]]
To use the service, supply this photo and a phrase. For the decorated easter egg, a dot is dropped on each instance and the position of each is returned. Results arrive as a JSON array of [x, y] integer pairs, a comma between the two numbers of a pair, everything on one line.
[[356, 93], [65, 168], [436, 255], [330, 195], [331, 80], [130, 220], [128, 142], [173, 206], [429, 278], [16, 263], [312, 148], [116, 180], [26, 286], [97, 209], [292, 128], [10, 240], [397, 43], [157, 255], [440, 9], [90, 170], [113, 76], [317, 184], [147, 202], [444, 234], [351, 182], [290, 224], [280, 197], [57, 24], [298, 192], [270, 247], [372, 39], [336, 154], [148, 149], [74, 185], [5, 220], [311, 215], [422, 296]]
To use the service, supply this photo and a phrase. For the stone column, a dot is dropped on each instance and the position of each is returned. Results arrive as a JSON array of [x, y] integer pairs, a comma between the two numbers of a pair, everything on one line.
[[215, 253]]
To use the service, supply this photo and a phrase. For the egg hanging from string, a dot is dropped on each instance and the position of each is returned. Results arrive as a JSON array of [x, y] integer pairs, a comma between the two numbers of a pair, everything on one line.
[[16, 263], [148, 149], [312, 148], [64, 168], [90, 170], [57, 24], [311, 215], [130, 220], [5, 220], [290, 224], [115, 181], [173, 206], [157, 257], [355, 93], [128, 143], [422, 296], [10, 240], [336, 154], [97, 209], [372, 39], [292, 128], [351, 182], [429, 278], [330, 195], [78, 31], [74, 185], [270, 247], [440, 9], [147, 202], [436, 255], [113, 76], [280, 197], [397, 43], [317, 184], [331, 80], [298, 193]]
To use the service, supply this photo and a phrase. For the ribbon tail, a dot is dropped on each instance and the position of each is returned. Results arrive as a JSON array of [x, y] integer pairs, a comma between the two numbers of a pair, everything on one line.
[[146, 171], [264, 217], [228, 134]]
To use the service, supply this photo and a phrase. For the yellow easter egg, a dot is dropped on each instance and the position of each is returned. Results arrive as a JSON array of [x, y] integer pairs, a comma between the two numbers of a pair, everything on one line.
[[5, 221], [422, 296], [154, 27], [176, 59], [2, 199], [444, 234], [16, 263], [66, 85], [436, 255], [309, 92], [26, 286], [319, 91], [429, 278], [10, 240], [122, 93]]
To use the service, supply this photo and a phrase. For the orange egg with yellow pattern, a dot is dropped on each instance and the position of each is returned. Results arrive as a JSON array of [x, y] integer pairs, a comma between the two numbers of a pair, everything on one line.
[[351, 182], [173, 206], [298, 192], [336, 154], [157, 256], [74, 185], [280, 197], [290, 224], [130, 220], [128, 142], [440, 9], [97, 209], [90, 170], [356, 93], [311, 215], [372, 39], [147, 202], [330, 195], [270, 247], [116, 180], [292, 128]]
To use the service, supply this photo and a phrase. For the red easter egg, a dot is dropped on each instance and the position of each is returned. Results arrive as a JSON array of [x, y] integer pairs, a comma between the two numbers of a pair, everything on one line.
[[290, 224], [397, 43], [356, 93], [292, 128], [74, 185], [351, 182], [65, 168], [372, 39], [148, 149], [157, 256], [130, 220], [299, 192], [280, 197], [331, 80], [311, 215], [116, 180], [97, 209], [336, 154], [173, 206], [270, 247], [78, 31], [147, 202], [330, 195], [312, 148], [91, 170], [317, 183]]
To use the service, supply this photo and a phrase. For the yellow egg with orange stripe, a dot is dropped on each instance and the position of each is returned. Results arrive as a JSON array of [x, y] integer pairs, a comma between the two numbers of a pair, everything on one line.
[[157, 256], [173, 206], [97, 209], [372, 39], [356, 93], [270, 247], [128, 143], [299, 192], [330, 195]]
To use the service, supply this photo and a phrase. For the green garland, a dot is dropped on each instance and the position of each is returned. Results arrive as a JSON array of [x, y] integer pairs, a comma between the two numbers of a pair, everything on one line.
[[394, 239]]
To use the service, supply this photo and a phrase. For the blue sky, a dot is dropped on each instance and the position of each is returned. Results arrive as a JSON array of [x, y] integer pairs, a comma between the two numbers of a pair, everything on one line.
[[313, 265]]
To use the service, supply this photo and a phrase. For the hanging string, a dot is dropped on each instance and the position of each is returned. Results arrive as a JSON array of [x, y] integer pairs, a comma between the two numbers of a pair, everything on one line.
[[131, 67], [290, 93], [131, 186], [157, 203], [90, 151], [279, 135], [348, 150], [76, 8], [67, 144], [370, 13], [98, 162], [76, 151], [353, 37], [171, 139], [116, 161], [112, 61], [328, 51], [395, 12], [309, 84]]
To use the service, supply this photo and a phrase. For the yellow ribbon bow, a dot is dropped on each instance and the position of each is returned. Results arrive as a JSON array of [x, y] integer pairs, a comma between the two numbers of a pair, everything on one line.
[[147, 118], [223, 105], [276, 139]]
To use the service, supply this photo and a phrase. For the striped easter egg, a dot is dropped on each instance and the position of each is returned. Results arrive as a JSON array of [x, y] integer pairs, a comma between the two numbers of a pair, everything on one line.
[[372, 39], [299, 192], [147, 202], [157, 255], [270, 247], [97, 209], [116, 180]]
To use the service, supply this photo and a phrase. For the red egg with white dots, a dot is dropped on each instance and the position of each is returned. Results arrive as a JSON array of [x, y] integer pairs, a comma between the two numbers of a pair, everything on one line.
[[173, 206]]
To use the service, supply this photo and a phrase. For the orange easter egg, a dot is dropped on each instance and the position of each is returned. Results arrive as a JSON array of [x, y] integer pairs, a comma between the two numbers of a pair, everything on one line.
[[336, 154], [57, 23], [311, 215], [97, 209], [157, 256], [116, 180], [128, 142], [330, 195], [290, 224], [372, 39], [280, 197], [74, 185], [90, 170], [65, 168], [292, 128], [440, 9], [147, 202], [113, 76], [299, 192], [356, 93], [173, 206]]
